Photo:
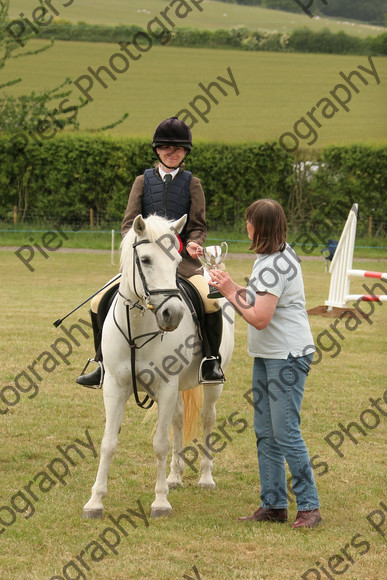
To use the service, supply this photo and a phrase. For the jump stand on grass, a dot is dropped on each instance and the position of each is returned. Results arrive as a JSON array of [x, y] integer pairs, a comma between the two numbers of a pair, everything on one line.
[[341, 269]]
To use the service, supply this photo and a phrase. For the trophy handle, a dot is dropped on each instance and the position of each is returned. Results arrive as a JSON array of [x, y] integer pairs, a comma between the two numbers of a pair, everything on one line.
[[214, 292], [224, 254]]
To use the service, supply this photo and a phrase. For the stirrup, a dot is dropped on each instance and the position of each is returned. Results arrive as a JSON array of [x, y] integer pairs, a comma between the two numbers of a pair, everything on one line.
[[89, 360], [211, 381]]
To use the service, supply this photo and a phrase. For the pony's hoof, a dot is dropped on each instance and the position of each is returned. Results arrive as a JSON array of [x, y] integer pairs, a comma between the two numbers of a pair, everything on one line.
[[159, 512], [206, 485], [92, 514]]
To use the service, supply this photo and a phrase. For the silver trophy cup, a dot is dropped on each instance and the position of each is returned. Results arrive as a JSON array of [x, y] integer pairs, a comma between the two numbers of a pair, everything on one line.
[[211, 259]]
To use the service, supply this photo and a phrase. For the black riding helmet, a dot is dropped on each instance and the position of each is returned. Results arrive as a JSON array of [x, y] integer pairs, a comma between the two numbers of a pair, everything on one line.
[[173, 132]]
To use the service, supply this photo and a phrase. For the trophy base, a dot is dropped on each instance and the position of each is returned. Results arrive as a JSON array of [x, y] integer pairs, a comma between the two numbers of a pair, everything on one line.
[[214, 293]]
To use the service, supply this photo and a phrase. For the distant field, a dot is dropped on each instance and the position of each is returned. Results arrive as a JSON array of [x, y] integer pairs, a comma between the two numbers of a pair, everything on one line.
[[215, 15], [275, 91]]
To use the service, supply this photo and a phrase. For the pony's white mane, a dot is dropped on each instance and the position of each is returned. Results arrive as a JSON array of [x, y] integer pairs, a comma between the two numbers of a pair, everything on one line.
[[156, 228]]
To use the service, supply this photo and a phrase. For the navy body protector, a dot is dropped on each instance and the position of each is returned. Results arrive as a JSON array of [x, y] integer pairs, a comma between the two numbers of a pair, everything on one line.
[[170, 200]]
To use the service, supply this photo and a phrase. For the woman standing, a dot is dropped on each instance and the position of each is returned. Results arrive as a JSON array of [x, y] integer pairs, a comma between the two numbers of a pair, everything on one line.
[[280, 340]]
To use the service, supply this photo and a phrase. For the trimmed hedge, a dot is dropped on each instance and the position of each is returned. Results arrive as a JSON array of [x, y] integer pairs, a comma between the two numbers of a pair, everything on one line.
[[238, 37], [72, 173], [68, 175]]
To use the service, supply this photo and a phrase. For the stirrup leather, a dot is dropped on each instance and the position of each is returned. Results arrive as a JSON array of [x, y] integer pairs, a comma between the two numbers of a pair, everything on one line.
[[89, 360], [210, 382]]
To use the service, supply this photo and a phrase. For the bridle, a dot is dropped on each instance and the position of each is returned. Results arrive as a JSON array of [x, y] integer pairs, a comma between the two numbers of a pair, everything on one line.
[[129, 305], [168, 293]]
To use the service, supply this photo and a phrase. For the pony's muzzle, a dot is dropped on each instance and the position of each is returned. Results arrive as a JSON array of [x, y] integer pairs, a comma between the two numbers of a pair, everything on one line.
[[170, 314]]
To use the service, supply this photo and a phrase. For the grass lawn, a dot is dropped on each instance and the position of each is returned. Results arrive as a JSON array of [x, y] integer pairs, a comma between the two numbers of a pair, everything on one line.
[[214, 15], [275, 90], [101, 239], [202, 530]]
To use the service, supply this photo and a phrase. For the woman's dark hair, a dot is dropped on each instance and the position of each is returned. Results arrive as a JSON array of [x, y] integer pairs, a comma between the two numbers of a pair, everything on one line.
[[269, 223]]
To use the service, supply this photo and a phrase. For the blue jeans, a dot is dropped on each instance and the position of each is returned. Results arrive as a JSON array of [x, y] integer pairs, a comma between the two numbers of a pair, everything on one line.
[[278, 388]]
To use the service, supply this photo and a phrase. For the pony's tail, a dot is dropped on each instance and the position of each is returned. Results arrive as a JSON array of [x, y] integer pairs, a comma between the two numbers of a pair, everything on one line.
[[193, 403]]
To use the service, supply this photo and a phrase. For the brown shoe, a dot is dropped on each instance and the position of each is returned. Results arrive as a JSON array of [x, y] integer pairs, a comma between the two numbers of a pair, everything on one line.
[[267, 515], [307, 519]]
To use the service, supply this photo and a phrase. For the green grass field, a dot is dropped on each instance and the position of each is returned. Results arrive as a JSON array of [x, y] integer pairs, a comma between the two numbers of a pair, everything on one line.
[[214, 15], [202, 530], [275, 91], [238, 242]]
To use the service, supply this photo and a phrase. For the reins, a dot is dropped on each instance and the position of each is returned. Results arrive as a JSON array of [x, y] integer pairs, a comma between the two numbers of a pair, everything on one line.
[[133, 346], [129, 305]]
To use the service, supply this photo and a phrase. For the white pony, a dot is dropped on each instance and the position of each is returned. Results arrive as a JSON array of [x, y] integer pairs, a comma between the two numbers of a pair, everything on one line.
[[150, 343]]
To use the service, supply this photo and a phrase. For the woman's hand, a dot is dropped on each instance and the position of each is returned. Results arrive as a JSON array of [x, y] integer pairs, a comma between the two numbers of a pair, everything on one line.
[[195, 250], [223, 282], [258, 314]]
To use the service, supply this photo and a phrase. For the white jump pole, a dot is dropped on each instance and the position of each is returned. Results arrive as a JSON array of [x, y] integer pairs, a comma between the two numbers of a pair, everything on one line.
[[368, 274], [366, 298]]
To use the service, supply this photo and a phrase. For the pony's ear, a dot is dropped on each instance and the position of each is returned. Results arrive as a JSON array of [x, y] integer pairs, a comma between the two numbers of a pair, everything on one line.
[[139, 225], [179, 224]]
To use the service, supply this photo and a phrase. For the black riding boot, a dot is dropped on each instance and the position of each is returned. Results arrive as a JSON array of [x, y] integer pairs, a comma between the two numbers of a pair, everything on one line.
[[210, 369], [94, 379]]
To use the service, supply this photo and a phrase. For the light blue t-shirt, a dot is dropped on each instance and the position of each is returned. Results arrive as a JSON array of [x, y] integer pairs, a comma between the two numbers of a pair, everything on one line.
[[288, 331]]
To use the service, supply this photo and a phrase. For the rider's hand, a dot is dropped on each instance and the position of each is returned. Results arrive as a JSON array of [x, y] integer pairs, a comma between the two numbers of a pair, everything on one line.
[[194, 249]]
